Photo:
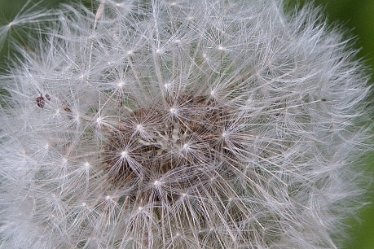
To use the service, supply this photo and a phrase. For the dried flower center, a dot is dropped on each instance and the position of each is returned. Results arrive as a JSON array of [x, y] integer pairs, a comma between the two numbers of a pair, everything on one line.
[[169, 148]]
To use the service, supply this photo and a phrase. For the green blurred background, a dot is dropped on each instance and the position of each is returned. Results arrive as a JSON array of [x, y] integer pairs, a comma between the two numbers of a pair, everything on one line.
[[357, 17]]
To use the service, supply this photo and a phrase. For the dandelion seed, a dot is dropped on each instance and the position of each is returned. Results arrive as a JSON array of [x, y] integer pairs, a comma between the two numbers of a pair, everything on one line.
[[87, 165], [121, 84], [124, 154], [139, 127], [221, 48], [157, 183], [173, 111]]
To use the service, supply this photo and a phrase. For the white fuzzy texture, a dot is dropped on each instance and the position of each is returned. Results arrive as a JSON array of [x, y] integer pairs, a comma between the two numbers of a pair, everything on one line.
[[180, 124]]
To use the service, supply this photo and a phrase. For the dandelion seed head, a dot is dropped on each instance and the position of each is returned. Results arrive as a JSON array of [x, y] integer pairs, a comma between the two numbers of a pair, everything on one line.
[[244, 137]]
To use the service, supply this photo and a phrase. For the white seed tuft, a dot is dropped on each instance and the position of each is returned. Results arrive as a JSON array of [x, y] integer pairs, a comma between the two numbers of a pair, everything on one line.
[[179, 124]]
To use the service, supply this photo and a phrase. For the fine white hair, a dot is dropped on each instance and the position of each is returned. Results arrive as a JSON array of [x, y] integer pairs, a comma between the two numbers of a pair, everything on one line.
[[180, 124]]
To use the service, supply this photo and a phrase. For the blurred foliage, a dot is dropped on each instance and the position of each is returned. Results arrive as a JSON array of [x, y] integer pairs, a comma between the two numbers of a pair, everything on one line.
[[357, 18]]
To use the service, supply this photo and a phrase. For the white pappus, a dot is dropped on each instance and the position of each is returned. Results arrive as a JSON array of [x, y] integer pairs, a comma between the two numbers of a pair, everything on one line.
[[180, 124]]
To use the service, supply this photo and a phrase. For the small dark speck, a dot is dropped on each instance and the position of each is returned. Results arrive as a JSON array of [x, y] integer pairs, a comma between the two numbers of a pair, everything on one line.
[[40, 101], [323, 99]]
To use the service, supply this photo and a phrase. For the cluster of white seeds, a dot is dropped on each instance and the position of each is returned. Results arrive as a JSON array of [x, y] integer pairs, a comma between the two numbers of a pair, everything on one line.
[[184, 124]]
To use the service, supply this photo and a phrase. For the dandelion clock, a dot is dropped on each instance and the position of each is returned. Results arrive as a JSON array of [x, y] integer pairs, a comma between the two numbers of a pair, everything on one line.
[[187, 124]]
